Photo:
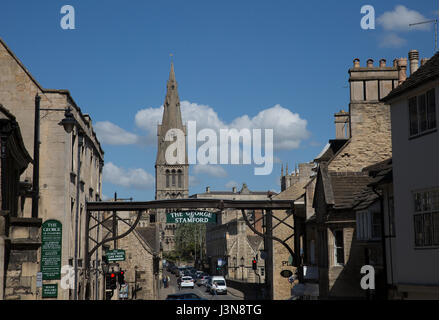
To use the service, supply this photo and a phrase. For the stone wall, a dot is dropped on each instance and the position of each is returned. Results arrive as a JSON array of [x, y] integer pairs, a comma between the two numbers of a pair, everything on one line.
[[371, 138], [138, 265]]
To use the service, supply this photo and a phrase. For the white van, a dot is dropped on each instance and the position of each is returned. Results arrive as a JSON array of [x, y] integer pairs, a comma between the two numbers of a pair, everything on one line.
[[218, 285]]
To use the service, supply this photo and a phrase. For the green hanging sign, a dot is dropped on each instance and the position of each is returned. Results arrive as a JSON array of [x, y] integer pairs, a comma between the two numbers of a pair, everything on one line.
[[115, 255], [191, 216], [51, 244]]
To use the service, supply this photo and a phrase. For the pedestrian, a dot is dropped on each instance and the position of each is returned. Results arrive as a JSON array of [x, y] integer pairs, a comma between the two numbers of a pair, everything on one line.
[[179, 283], [168, 281], [165, 280]]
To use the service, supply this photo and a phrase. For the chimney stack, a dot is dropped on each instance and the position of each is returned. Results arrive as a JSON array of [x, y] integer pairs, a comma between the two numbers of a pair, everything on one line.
[[414, 61], [402, 70], [341, 120], [370, 63]]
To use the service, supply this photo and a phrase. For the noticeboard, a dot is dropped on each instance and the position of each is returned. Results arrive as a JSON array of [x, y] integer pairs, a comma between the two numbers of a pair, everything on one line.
[[51, 244]]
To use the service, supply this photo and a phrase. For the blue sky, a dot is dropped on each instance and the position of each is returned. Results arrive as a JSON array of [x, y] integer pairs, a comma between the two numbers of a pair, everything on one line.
[[235, 58]]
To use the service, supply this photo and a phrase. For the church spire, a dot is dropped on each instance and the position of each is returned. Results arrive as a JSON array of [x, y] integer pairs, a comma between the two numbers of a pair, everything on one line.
[[171, 115]]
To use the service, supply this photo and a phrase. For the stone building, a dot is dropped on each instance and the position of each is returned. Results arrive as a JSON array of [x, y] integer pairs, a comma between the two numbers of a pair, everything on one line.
[[58, 161], [19, 237], [291, 230], [232, 241], [172, 180], [363, 138], [413, 249], [142, 256]]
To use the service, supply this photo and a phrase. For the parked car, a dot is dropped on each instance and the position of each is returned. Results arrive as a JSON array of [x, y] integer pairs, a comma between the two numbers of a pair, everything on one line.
[[218, 285], [184, 296], [187, 282]]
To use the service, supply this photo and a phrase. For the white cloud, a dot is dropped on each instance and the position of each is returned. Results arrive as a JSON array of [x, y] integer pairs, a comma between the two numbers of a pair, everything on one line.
[[211, 170], [400, 18], [231, 184], [109, 133], [132, 178], [391, 40], [289, 129]]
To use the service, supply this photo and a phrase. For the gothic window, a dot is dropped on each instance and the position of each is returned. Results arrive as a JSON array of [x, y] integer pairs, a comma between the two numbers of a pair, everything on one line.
[[167, 178], [173, 178], [180, 179]]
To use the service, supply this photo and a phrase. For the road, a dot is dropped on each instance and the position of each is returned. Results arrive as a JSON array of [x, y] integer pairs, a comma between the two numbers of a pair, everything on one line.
[[200, 291]]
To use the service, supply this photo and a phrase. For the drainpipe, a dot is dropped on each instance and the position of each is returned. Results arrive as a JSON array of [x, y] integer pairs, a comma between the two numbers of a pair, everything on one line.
[[383, 239]]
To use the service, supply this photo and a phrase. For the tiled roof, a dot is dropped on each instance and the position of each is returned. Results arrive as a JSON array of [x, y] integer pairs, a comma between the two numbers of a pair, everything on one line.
[[364, 199], [293, 192], [330, 149], [254, 241], [381, 172], [429, 71], [148, 234], [345, 186]]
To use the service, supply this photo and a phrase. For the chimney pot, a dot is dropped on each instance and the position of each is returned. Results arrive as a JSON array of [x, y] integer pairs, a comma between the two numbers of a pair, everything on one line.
[[382, 63], [234, 189], [207, 189], [414, 61], [395, 62], [370, 63], [356, 63]]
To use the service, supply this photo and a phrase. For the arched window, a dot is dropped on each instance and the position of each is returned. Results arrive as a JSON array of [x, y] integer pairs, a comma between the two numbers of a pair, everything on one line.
[[167, 178], [180, 178], [173, 178]]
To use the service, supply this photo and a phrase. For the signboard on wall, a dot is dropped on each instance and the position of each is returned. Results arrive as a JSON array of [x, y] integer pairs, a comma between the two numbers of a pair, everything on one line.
[[51, 244], [50, 291], [191, 216]]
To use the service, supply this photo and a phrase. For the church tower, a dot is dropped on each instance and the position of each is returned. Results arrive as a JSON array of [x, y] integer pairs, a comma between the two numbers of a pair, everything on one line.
[[171, 180]]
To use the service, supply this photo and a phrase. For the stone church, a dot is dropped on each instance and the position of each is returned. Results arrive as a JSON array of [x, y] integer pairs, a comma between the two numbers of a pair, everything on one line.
[[171, 180]]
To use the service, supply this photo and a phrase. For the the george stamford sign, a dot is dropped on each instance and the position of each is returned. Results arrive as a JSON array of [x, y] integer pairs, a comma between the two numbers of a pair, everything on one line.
[[190, 216]]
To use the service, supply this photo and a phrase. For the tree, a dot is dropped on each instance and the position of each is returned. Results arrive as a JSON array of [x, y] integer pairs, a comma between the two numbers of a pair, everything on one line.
[[188, 238]]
